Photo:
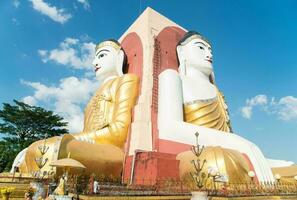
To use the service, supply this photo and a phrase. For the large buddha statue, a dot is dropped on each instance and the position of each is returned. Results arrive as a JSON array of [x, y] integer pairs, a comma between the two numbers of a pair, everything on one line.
[[106, 122], [203, 103], [194, 104]]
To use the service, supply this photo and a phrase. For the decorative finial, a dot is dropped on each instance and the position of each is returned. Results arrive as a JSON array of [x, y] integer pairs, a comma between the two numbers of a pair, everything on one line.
[[198, 176]]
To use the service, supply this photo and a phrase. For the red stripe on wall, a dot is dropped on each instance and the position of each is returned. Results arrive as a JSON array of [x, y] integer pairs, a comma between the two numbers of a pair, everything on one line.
[[251, 167], [167, 146]]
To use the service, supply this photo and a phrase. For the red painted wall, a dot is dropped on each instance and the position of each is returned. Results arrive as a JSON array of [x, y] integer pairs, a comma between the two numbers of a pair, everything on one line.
[[165, 57], [132, 46], [151, 168]]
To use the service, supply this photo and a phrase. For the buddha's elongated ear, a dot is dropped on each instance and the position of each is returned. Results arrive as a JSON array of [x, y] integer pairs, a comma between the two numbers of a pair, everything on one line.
[[120, 62], [212, 78], [179, 51], [180, 57]]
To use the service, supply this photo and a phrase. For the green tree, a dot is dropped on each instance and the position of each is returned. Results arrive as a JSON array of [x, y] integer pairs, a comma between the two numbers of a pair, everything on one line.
[[3, 157], [22, 125], [8, 152]]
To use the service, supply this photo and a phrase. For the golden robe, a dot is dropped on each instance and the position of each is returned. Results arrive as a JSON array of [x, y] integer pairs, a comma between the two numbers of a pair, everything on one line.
[[213, 113], [106, 123], [226, 161]]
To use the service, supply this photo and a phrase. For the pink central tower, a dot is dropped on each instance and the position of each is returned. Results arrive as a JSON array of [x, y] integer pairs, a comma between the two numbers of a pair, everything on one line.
[[150, 44]]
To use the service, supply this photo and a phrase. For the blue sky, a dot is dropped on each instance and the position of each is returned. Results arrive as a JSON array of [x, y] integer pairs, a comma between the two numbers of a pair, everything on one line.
[[46, 48]]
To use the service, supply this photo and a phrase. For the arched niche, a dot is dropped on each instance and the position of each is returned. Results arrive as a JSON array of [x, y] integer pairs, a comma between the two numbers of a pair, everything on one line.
[[165, 57], [133, 48]]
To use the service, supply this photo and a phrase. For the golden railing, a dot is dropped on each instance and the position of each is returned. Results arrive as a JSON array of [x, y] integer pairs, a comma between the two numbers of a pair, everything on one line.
[[177, 187]]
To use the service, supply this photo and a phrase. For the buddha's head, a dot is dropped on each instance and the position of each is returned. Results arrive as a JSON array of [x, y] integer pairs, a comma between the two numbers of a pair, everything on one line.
[[109, 59], [193, 50]]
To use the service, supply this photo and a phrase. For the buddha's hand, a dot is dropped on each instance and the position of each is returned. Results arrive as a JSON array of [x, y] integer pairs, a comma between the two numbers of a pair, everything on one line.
[[93, 136]]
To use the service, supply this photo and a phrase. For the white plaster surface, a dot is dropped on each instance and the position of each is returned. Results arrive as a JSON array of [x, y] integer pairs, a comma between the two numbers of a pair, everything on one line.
[[279, 163], [18, 159]]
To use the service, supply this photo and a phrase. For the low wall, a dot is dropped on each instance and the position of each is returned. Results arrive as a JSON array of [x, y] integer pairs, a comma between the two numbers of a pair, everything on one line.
[[85, 197]]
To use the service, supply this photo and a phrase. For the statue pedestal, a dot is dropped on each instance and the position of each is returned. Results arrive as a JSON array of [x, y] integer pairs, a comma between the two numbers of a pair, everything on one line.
[[150, 168], [199, 195]]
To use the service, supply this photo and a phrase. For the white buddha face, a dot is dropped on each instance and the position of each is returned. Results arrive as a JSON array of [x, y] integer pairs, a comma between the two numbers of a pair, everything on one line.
[[196, 53], [108, 62]]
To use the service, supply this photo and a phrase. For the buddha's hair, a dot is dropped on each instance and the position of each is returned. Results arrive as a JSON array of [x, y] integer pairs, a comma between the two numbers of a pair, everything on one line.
[[115, 41], [190, 34], [109, 42]]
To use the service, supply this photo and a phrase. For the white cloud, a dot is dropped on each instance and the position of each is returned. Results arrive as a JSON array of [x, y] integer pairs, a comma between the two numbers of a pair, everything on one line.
[[285, 108], [246, 112], [30, 100], [67, 99], [71, 52], [16, 3], [52, 12], [15, 21], [85, 38], [85, 4], [42, 53], [258, 100]]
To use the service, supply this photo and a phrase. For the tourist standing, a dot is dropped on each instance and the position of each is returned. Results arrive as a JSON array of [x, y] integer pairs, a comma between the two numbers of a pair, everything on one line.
[[96, 187]]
